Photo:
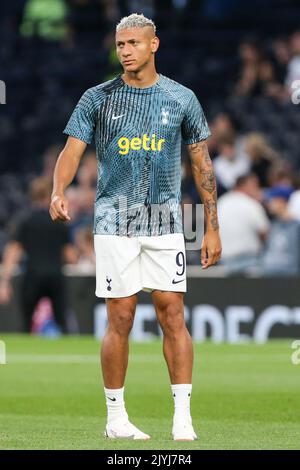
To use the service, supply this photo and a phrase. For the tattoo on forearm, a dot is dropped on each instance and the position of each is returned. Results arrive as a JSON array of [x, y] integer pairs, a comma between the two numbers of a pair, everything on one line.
[[204, 167], [211, 207], [208, 183], [205, 180], [207, 172], [206, 156], [195, 148], [201, 147], [208, 180]]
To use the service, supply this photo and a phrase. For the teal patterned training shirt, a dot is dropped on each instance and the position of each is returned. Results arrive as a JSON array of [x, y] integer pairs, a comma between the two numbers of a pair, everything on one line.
[[138, 134]]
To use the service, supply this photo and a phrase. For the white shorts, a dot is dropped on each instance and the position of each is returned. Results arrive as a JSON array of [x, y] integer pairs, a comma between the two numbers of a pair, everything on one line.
[[126, 265]]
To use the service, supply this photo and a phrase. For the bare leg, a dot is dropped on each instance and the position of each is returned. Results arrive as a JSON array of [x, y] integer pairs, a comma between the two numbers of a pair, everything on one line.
[[114, 351], [178, 352], [177, 342], [114, 360]]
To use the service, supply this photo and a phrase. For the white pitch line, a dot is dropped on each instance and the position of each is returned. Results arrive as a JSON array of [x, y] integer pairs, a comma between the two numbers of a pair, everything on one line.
[[94, 359], [70, 359]]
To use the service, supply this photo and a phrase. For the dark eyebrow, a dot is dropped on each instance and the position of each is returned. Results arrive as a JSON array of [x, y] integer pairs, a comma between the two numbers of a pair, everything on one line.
[[130, 41]]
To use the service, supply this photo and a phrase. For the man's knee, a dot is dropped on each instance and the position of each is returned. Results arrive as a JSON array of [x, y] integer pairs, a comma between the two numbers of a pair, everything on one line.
[[171, 318], [120, 317]]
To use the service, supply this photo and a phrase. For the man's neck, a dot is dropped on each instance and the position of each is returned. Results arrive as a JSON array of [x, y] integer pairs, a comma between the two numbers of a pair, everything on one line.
[[141, 79]]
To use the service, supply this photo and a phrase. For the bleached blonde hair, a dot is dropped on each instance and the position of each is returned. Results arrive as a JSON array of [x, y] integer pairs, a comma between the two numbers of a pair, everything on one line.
[[135, 21]]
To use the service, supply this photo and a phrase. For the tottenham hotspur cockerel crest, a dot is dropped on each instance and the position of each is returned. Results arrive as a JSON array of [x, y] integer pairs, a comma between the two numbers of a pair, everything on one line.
[[164, 116]]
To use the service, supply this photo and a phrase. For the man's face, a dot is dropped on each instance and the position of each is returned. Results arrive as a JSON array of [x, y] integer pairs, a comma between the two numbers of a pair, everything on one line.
[[251, 187], [135, 47]]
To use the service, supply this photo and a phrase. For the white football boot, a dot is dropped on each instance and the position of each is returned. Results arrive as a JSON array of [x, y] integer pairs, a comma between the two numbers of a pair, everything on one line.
[[124, 429], [183, 431]]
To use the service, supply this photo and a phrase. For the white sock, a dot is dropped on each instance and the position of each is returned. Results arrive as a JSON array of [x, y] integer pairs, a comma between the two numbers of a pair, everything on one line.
[[182, 396], [115, 404]]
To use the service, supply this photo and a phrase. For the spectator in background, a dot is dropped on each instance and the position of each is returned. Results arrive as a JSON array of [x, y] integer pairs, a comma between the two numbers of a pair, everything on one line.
[[294, 205], [261, 155], [45, 246], [87, 173], [267, 83], [244, 224], [188, 188], [281, 57], [230, 164], [281, 174], [282, 253], [49, 160], [84, 241], [82, 195], [293, 70], [221, 128], [257, 75], [74, 208], [46, 19], [250, 54]]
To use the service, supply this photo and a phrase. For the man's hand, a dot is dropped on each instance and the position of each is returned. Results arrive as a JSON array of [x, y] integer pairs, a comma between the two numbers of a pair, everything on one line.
[[64, 172], [59, 208], [211, 249]]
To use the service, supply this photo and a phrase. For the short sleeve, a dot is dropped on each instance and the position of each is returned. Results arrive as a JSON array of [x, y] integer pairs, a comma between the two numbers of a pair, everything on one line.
[[194, 127], [82, 122]]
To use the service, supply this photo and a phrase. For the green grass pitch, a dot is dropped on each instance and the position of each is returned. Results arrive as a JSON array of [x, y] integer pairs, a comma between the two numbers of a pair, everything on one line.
[[51, 396]]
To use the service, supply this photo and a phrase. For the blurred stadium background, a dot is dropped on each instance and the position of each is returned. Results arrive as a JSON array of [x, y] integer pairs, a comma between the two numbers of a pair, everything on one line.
[[242, 59]]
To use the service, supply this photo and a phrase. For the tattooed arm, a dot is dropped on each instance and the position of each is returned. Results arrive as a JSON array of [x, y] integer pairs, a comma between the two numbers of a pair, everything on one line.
[[205, 182]]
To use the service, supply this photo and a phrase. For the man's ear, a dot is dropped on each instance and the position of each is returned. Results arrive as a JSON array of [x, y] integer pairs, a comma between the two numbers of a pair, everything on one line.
[[154, 44]]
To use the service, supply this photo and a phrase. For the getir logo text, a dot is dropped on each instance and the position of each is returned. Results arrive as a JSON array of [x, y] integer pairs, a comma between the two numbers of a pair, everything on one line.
[[138, 143]]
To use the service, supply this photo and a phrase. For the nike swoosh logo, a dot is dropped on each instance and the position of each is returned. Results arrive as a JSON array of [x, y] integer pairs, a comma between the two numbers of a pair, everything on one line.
[[112, 399], [176, 282], [117, 117]]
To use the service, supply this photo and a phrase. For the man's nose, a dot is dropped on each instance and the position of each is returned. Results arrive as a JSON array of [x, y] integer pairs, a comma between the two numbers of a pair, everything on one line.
[[126, 52]]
